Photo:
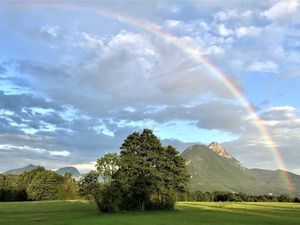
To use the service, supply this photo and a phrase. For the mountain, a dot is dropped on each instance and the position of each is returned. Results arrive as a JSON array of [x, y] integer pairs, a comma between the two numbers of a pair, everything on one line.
[[62, 171], [21, 170], [213, 168], [72, 170], [275, 178]]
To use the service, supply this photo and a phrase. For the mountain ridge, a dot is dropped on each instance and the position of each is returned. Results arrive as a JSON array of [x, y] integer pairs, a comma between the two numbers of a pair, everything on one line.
[[216, 147], [213, 169], [62, 171], [20, 170], [69, 169]]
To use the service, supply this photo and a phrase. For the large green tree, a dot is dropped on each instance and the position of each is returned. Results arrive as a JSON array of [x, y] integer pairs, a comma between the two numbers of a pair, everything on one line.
[[27, 177], [147, 175], [68, 189], [45, 186]]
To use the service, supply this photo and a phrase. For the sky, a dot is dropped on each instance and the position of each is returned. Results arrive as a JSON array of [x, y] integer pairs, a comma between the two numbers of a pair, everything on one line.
[[76, 78]]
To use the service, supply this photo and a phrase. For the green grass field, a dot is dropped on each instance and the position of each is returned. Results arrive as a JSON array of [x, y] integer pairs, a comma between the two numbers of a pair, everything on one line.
[[85, 213]]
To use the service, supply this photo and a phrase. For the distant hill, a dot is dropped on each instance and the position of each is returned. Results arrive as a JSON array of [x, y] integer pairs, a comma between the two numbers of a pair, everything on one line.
[[274, 179], [72, 170], [21, 170], [213, 169], [62, 171]]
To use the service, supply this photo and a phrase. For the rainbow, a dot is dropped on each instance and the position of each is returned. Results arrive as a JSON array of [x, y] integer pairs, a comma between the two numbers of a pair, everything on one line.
[[197, 56]]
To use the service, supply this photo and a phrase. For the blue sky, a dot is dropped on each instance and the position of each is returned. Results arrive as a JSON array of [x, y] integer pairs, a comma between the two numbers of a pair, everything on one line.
[[75, 82]]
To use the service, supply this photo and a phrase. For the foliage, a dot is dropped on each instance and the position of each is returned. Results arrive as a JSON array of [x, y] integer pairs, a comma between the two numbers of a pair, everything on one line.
[[285, 198], [26, 178], [68, 188], [109, 198], [146, 175], [219, 196], [89, 185], [10, 190], [38, 184], [45, 186], [107, 166]]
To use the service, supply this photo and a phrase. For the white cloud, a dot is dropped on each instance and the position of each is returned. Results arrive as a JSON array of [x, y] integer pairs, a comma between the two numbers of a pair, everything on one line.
[[60, 153], [247, 14], [287, 108], [130, 41], [251, 31], [214, 50], [85, 167], [232, 14], [187, 27], [284, 10], [267, 66], [50, 31], [223, 31], [226, 15], [102, 129], [91, 41], [26, 148], [22, 148], [172, 23]]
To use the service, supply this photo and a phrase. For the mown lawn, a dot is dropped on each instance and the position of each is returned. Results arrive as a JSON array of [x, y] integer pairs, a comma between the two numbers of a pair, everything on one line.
[[85, 213]]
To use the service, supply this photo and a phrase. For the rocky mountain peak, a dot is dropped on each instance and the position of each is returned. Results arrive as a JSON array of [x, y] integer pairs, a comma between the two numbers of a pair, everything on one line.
[[216, 147]]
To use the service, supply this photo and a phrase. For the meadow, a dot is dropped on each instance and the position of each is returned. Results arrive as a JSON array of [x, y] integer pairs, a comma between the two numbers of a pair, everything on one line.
[[208, 213]]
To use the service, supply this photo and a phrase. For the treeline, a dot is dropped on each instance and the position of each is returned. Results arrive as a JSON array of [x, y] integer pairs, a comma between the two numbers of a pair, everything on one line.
[[144, 176], [36, 185], [218, 196]]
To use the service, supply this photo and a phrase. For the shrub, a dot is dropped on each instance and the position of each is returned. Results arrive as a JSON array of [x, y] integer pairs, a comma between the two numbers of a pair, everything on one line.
[[108, 198]]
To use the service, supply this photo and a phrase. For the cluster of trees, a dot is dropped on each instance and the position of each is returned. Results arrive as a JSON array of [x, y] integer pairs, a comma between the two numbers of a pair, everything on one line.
[[38, 184], [144, 176], [218, 196]]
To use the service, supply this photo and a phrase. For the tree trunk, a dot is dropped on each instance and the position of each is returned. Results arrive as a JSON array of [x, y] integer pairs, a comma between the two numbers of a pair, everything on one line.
[[143, 205]]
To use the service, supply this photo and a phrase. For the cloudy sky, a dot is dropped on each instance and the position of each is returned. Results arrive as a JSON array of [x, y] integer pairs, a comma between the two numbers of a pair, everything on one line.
[[77, 78]]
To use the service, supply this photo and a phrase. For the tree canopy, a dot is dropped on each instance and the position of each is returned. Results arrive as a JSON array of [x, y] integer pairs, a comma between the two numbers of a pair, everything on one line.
[[38, 184], [147, 175]]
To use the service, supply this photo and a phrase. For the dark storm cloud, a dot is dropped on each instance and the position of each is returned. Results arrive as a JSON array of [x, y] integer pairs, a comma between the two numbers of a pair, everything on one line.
[[279, 113], [16, 102], [214, 114], [41, 70]]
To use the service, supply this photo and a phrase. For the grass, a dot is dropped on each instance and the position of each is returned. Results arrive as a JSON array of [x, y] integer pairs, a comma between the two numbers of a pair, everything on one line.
[[85, 213]]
